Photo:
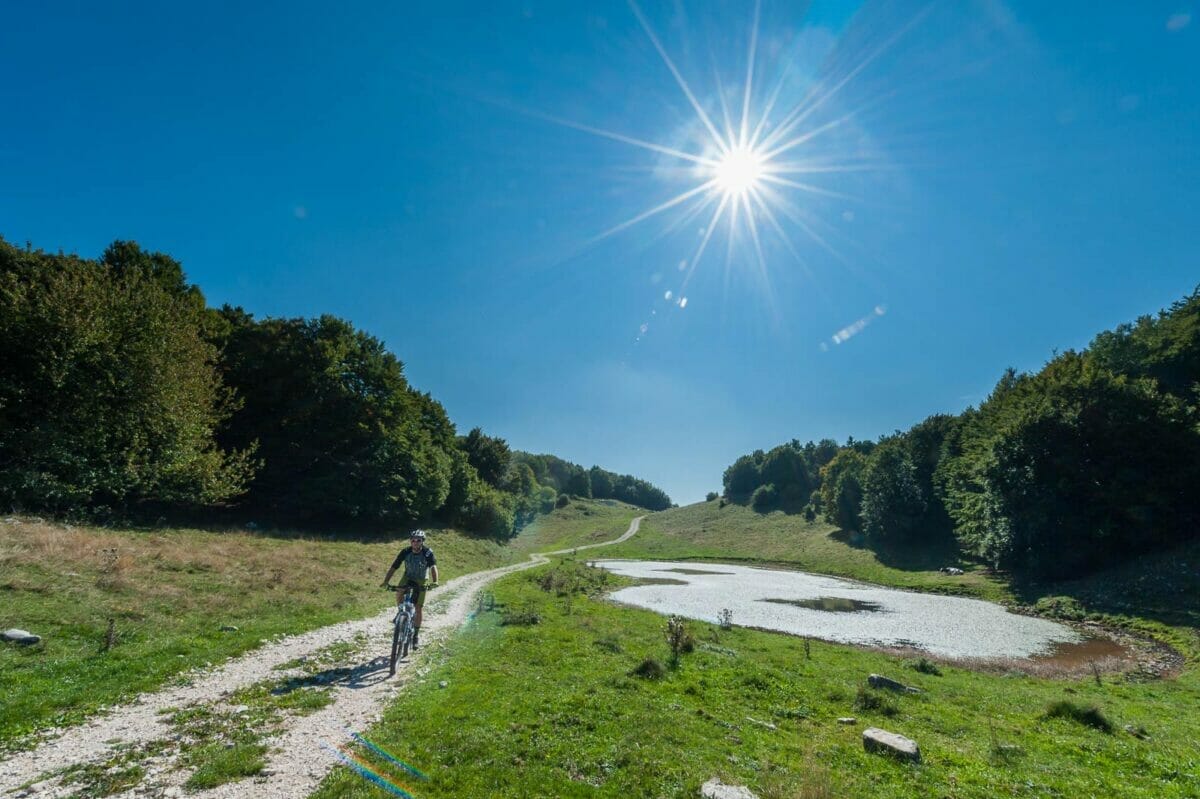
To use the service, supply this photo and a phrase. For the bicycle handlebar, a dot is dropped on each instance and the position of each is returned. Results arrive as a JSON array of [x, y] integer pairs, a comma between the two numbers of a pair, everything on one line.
[[387, 587]]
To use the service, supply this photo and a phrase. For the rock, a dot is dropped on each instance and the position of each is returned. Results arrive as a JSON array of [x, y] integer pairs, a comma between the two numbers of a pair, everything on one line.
[[228, 628], [847, 720], [715, 789], [879, 681], [950, 570], [877, 740], [1136, 732], [20, 636], [766, 724], [443, 684]]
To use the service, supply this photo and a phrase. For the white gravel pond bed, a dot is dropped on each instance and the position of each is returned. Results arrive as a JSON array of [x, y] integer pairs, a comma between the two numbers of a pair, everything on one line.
[[839, 610]]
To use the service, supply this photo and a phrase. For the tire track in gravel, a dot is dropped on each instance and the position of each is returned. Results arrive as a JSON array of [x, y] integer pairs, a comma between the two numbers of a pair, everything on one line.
[[296, 763]]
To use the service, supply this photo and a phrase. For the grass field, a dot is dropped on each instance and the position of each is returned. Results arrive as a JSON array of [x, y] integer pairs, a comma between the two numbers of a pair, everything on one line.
[[558, 709], [168, 594]]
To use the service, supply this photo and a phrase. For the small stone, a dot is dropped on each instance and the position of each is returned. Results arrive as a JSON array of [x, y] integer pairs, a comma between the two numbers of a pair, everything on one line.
[[847, 720], [715, 789], [238, 710], [228, 628], [879, 681], [443, 684], [766, 724], [877, 740]]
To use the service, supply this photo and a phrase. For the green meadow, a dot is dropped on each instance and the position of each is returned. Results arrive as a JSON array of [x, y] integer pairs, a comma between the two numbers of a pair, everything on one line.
[[557, 692]]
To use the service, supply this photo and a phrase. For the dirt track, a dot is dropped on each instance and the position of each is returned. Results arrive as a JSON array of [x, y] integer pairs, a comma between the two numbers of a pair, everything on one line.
[[296, 763]]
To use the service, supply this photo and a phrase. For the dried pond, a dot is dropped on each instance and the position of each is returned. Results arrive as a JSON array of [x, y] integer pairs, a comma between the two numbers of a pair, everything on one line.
[[849, 612]]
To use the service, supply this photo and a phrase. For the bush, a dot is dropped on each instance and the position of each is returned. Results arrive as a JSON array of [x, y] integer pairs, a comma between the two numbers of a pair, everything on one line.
[[679, 639], [1087, 716], [1060, 607], [488, 511], [563, 501], [925, 666], [710, 496], [869, 701], [520, 618], [649, 669], [765, 498]]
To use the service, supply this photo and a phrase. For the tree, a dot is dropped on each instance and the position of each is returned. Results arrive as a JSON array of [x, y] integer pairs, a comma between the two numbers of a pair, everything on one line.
[[490, 456], [108, 391], [841, 489], [340, 431], [579, 485], [602, 483], [784, 467], [893, 504], [743, 476], [1064, 471]]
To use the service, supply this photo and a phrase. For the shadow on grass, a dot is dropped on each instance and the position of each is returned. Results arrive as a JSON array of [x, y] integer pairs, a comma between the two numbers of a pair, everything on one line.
[[923, 556]]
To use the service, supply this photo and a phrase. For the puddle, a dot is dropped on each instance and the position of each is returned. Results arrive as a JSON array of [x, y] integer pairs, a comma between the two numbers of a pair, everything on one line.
[[1069, 655], [831, 604]]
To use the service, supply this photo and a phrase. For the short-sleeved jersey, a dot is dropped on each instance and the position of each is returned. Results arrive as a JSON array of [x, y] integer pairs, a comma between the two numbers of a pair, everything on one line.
[[416, 564]]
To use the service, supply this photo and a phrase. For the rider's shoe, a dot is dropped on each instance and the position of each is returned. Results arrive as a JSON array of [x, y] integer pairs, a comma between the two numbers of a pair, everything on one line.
[[415, 645]]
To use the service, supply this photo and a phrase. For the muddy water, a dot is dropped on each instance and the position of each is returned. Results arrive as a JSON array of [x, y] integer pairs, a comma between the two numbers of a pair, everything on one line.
[[850, 612]]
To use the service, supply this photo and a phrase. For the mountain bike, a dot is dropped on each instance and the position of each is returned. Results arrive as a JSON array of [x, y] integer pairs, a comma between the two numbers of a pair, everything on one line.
[[402, 626]]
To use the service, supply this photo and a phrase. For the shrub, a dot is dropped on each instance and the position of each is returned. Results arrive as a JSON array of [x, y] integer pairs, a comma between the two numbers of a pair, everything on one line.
[[925, 666], [563, 501], [520, 618], [765, 498], [649, 669], [1088, 716], [1060, 607], [710, 496], [869, 701], [679, 639], [609, 643]]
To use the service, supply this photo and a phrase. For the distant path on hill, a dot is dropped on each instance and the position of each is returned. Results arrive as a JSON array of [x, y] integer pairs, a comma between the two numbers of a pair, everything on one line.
[[297, 762]]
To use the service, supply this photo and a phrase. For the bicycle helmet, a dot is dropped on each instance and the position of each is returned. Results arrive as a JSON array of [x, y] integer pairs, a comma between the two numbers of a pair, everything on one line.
[[417, 534]]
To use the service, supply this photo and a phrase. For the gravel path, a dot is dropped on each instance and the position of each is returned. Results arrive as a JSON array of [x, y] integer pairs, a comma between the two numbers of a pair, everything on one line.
[[296, 764]]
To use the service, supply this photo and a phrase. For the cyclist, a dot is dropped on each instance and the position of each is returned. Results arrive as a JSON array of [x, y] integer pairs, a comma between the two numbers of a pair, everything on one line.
[[418, 561]]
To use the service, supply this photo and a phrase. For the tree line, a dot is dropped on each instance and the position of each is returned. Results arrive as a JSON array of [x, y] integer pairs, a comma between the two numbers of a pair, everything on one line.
[[1092, 459], [122, 391]]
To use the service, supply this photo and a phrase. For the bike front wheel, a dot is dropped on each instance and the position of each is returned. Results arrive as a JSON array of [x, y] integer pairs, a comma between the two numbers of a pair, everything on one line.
[[395, 648]]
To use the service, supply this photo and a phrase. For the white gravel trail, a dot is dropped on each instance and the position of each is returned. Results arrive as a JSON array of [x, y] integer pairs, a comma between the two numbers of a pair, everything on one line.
[[296, 763]]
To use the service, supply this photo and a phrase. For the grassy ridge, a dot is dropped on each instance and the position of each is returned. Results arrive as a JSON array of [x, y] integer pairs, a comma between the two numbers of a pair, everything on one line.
[[735, 533], [169, 593], [579, 523], [553, 709]]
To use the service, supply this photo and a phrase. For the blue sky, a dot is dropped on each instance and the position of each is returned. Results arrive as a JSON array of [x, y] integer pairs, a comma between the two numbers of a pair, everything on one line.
[[985, 183]]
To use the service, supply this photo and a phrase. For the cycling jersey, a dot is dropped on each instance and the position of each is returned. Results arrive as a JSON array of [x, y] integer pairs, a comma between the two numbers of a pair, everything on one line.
[[416, 564]]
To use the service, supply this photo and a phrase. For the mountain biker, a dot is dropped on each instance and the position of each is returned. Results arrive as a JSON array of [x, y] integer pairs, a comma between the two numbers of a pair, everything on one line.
[[418, 560]]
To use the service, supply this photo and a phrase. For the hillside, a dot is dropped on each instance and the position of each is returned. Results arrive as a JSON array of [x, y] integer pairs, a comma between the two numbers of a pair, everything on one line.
[[170, 594], [708, 530]]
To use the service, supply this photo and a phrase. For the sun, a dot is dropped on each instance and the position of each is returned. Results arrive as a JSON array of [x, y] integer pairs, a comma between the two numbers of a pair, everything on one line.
[[740, 171]]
